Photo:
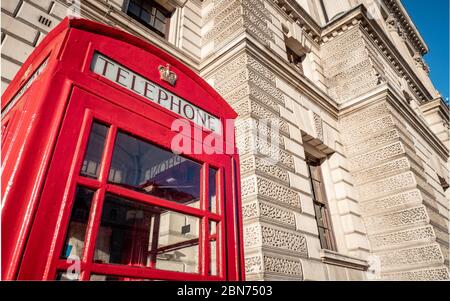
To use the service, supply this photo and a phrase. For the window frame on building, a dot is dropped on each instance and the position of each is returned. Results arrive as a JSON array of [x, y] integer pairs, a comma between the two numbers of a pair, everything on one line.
[[155, 8], [321, 206]]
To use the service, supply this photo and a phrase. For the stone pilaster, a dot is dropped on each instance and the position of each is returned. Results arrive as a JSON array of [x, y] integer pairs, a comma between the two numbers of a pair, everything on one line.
[[273, 246], [397, 203], [349, 66]]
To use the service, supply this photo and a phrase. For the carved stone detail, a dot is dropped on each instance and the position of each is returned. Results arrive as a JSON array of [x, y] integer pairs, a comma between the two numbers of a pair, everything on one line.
[[402, 237], [424, 274], [253, 264], [391, 202], [270, 190], [258, 235], [386, 186], [380, 171], [353, 72], [262, 166], [397, 219], [283, 266], [375, 157], [394, 258]]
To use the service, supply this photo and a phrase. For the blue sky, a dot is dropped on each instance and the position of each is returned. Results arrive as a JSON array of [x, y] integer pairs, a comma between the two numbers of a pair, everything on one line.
[[432, 20]]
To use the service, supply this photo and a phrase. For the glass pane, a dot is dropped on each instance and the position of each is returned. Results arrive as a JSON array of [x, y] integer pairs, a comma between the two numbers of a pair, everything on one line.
[[160, 15], [74, 243], [212, 205], [323, 238], [144, 167], [97, 277], [133, 8], [67, 276], [94, 151], [212, 228], [319, 194], [213, 258], [315, 171], [159, 26], [145, 16], [319, 214], [213, 248], [137, 234]]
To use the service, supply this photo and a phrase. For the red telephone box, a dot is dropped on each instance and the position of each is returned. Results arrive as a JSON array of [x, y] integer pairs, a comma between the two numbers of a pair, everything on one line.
[[91, 187]]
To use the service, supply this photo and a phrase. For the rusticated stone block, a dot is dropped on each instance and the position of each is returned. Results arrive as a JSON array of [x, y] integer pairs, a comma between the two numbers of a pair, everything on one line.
[[283, 266], [275, 192], [402, 237], [430, 254], [407, 217], [431, 274], [376, 157]]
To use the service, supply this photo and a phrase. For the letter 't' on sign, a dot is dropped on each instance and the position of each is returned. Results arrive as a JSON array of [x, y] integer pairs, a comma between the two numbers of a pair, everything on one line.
[[167, 75]]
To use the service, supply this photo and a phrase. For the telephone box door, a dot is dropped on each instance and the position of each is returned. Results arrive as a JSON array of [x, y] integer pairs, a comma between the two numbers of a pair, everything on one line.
[[118, 204]]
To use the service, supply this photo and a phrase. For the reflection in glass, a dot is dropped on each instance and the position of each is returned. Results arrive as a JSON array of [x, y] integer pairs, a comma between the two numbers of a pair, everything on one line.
[[213, 248], [212, 190], [137, 234], [142, 166], [94, 150], [213, 258], [96, 277], [74, 243]]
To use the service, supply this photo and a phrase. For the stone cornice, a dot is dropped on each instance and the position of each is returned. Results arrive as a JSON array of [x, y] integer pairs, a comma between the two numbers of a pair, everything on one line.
[[358, 16], [396, 8], [437, 105], [297, 14], [417, 123]]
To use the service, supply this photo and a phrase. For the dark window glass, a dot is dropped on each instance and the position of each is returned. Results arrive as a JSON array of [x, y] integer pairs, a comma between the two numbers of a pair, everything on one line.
[[94, 150], [144, 167], [212, 204], [295, 59], [74, 243], [151, 14], [138, 234], [320, 205]]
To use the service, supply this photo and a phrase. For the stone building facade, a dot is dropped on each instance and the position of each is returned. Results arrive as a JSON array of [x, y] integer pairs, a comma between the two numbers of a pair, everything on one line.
[[359, 189]]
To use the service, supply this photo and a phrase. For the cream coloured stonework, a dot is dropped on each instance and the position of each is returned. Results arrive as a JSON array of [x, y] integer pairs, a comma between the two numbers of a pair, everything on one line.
[[363, 104]]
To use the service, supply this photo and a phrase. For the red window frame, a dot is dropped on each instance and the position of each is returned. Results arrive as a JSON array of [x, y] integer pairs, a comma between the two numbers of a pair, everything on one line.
[[101, 186]]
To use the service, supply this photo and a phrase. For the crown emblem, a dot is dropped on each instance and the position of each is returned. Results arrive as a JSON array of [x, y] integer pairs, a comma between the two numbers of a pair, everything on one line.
[[167, 75]]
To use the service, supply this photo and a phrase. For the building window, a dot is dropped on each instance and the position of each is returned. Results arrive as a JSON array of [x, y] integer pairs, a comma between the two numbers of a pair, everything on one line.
[[320, 205], [151, 14], [295, 59], [443, 183]]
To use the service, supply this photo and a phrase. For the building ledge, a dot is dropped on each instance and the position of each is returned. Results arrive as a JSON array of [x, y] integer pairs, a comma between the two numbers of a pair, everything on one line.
[[335, 258]]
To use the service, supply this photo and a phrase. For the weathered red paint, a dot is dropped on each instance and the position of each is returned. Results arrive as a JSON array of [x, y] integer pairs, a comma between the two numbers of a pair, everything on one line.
[[45, 134]]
